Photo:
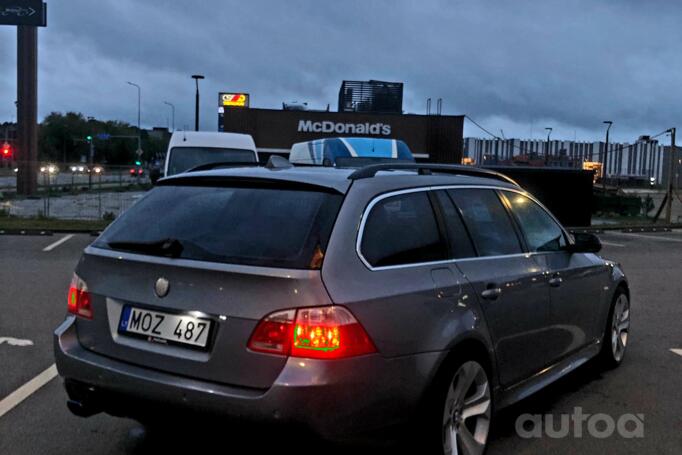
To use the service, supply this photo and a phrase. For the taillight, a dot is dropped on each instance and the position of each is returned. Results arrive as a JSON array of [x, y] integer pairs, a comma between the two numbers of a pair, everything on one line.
[[273, 333], [329, 332], [79, 302]]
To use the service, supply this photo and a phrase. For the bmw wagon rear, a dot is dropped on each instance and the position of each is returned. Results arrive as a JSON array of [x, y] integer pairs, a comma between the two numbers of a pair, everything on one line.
[[207, 295]]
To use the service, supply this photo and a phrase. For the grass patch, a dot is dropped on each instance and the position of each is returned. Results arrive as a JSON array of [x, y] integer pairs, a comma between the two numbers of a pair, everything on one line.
[[51, 224]]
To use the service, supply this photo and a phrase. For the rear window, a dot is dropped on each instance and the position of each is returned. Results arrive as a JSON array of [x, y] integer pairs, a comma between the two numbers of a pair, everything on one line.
[[182, 159], [241, 225]]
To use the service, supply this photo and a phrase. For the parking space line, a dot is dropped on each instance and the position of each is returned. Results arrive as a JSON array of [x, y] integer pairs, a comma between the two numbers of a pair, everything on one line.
[[54, 245], [611, 244], [13, 399], [650, 237], [677, 351]]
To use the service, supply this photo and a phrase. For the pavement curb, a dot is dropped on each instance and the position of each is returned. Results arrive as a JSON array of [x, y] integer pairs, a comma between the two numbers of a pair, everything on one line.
[[626, 228]]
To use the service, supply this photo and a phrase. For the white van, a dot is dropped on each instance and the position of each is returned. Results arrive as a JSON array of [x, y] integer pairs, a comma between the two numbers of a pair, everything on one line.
[[189, 149]]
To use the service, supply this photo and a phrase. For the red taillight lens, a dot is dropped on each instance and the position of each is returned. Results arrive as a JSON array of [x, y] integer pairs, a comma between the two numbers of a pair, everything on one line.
[[329, 332], [273, 333], [79, 298]]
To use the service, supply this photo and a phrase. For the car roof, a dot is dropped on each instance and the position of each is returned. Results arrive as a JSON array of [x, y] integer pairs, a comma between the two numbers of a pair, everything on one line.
[[338, 179], [211, 139]]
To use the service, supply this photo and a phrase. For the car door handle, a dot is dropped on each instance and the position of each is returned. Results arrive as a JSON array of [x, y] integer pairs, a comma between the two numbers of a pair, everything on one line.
[[491, 293], [555, 282]]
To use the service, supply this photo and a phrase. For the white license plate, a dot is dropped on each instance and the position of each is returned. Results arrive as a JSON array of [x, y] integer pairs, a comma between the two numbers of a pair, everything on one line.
[[178, 328]]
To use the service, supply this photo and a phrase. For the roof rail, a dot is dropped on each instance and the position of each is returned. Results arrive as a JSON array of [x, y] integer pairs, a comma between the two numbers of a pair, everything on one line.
[[426, 168]]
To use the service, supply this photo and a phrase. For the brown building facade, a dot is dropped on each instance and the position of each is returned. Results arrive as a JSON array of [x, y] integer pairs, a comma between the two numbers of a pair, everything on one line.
[[436, 138]]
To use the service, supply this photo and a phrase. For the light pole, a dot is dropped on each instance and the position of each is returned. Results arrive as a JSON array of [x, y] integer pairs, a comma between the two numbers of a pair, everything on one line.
[[139, 98], [606, 152], [671, 169], [196, 78], [172, 106], [549, 131]]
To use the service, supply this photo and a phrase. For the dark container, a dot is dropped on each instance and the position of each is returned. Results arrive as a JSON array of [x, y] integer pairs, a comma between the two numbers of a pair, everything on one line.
[[567, 193]]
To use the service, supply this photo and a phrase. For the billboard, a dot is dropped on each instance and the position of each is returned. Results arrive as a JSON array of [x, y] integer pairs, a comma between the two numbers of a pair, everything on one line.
[[232, 99], [23, 12]]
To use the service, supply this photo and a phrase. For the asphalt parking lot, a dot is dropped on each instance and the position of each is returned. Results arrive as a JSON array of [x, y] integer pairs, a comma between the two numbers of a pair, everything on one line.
[[34, 278]]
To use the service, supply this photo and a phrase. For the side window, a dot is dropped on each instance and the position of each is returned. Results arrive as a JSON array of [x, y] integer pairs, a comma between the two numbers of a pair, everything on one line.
[[402, 230], [542, 233], [487, 220], [459, 240]]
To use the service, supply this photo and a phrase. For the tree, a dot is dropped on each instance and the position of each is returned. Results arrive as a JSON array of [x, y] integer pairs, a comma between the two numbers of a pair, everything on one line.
[[62, 138]]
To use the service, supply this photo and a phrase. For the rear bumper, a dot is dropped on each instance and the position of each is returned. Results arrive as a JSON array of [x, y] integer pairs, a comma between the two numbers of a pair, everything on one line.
[[332, 398]]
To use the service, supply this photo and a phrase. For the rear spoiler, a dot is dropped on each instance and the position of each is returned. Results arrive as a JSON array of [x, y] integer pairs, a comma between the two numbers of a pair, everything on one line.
[[222, 164]]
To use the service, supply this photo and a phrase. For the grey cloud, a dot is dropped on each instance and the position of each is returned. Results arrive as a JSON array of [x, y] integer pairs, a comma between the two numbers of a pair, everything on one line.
[[571, 64]]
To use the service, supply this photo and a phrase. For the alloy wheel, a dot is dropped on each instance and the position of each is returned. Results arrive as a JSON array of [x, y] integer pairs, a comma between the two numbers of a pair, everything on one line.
[[620, 326], [467, 412]]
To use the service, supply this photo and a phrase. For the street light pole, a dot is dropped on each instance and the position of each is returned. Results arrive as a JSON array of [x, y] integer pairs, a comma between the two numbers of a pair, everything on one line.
[[671, 169], [606, 154], [172, 113], [549, 131], [196, 78], [139, 131]]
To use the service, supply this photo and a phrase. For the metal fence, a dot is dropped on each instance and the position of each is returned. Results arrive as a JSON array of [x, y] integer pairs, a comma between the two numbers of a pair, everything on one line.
[[74, 191]]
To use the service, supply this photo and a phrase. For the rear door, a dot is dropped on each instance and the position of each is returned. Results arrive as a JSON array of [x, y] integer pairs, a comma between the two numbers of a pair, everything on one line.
[[573, 279], [510, 286]]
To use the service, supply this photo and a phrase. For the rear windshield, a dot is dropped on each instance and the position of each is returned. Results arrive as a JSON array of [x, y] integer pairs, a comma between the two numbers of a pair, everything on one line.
[[269, 227], [182, 159]]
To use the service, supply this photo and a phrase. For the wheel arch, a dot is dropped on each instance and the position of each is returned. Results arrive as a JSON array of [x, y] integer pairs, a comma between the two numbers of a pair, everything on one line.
[[471, 346]]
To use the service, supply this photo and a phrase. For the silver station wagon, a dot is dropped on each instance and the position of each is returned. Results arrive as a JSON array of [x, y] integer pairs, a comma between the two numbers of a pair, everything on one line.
[[342, 300]]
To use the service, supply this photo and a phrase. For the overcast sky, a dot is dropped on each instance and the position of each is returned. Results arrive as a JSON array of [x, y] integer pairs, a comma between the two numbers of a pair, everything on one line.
[[519, 66]]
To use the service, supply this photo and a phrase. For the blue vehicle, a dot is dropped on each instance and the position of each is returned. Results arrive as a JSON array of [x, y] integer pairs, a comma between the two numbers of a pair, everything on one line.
[[349, 151]]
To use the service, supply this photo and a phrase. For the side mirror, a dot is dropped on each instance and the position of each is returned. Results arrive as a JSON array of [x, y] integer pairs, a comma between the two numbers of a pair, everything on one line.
[[584, 243]]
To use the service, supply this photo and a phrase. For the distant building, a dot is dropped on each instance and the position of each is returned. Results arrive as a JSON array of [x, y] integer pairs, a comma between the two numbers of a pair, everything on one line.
[[642, 160], [378, 97]]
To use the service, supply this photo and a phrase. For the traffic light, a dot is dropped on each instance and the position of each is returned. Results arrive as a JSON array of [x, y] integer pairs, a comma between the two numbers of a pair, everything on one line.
[[6, 151], [138, 163], [89, 138]]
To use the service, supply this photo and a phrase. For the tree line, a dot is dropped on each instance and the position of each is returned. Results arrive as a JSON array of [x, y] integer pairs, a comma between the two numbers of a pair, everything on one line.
[[63, 138]]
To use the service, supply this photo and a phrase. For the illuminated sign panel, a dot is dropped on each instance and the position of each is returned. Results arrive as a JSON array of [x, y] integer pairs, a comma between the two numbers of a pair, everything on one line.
[[234, 100]]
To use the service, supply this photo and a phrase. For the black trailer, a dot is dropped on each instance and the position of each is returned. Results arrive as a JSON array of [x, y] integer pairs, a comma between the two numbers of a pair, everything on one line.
[[566, 192]]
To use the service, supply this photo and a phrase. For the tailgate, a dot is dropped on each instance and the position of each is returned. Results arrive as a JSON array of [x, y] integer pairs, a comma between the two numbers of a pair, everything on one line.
[[233, 297]]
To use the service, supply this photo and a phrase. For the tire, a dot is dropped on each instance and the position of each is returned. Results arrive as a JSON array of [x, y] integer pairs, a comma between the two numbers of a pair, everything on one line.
[[460, 410], [616, 332]]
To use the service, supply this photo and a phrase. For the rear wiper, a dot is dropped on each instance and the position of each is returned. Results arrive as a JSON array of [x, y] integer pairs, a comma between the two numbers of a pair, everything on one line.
[[166, 247]]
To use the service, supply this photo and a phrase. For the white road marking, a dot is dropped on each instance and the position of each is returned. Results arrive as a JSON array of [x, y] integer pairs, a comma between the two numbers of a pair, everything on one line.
[[13, 399], [611, 244], [677, 351], [15, 341], [54, 245], [650, 237]]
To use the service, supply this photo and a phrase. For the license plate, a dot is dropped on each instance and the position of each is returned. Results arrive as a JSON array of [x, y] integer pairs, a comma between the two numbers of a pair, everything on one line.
[[164, 327]]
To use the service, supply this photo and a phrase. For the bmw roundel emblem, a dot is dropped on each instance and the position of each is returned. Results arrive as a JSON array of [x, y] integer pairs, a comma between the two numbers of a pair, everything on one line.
[[162, 287]]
